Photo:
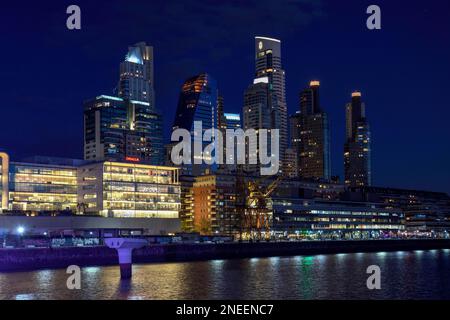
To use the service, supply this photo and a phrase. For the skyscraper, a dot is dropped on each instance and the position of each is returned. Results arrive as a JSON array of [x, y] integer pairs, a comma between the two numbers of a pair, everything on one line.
[[260, 112], [314, 136], [269, 66], [198, 102], [137, 74], [127, 127], [357, 149]]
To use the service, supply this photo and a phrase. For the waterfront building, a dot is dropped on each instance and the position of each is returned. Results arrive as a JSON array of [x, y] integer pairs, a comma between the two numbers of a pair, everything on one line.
[[357, 149], [312, 136], [4, 181], [198, 102], [425, 212], [43, 185], [324, 219], [214, 205], [122, 190], [269, 66]]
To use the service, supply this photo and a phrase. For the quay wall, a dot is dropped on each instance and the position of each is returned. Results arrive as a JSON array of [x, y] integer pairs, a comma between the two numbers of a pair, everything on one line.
[[53, 258]]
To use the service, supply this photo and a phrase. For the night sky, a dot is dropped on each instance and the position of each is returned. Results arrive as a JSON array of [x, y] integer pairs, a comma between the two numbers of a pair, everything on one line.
[[403, 70]]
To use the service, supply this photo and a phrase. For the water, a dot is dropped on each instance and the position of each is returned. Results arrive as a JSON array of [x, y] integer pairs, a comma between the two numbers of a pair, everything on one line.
[[405, 275]]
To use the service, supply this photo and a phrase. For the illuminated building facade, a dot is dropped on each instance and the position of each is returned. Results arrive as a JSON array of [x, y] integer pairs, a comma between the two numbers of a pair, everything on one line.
[[269, 66], [425, 212], [233, 121], [357, 149], [4, 181], [198, 102], [336, 220], [125, 190], [39, 186], [120, 130], [127, 126], [137, 75], [260, 111], [313, 136]]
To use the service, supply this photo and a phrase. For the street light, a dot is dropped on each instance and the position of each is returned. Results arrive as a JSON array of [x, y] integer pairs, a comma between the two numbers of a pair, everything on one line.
[[20, 230]]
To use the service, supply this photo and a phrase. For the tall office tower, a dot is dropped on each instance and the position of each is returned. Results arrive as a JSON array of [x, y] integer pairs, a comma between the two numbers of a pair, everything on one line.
[[268, 65], [136, 74], [314, 145], [357, 149], [121, 130], [127, 127], [260, 111], [198, 102]]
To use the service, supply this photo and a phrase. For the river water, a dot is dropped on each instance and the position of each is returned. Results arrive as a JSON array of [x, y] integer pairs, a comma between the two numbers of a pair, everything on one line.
[[404, 275]]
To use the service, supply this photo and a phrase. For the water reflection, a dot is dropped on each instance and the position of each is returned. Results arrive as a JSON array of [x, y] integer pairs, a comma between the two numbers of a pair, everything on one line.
[[406, 275]]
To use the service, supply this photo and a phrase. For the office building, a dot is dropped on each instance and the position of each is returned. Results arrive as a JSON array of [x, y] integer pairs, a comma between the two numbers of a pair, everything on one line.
[[260, 111], [312, 136], [269, 66], [323, 219], [198, 102], [127, 126], [137, 75], [357, 149], [426, 213], [127, 190], [43, 185]]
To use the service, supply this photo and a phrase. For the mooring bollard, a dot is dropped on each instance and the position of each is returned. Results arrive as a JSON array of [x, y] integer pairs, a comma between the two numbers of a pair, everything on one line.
[[125, 247]]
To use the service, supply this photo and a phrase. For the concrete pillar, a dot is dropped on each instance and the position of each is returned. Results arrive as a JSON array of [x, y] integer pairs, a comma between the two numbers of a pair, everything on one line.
[[125, 247]]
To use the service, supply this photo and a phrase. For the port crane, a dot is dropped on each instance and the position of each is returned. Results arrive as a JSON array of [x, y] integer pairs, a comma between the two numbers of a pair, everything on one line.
[[257, 214]]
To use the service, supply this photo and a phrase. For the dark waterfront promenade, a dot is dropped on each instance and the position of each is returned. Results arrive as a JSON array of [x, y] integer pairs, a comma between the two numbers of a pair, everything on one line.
[[53, 258]]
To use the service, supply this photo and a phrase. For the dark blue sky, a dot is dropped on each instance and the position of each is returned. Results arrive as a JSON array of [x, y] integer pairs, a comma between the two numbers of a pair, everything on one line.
[[403, 70]]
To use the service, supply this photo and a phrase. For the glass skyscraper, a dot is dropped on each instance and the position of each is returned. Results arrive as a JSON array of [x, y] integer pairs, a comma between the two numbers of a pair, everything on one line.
[[269, 66], [198, 102], [313, 136], [127, 127], [357, 149]]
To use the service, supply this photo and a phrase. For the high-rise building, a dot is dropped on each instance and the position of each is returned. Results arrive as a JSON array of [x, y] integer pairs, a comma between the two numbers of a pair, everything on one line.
[[312, 136], [198, 102], [121, 130], [260, 112], [126, 127], [269, 66], [137, 75], [357, 149]]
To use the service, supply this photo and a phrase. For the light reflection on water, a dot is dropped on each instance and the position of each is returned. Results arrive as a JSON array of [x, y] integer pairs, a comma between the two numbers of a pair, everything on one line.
[[405, 275]]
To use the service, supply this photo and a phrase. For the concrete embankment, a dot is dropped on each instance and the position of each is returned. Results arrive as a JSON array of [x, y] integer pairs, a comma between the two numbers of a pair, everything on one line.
[[32, 259]]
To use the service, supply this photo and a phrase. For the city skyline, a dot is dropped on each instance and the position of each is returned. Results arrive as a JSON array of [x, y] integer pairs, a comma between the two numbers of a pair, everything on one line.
[[388, 157]]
